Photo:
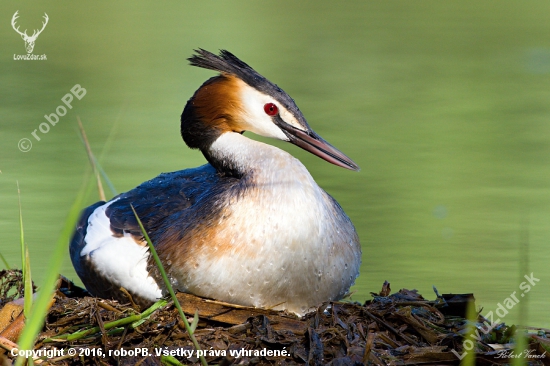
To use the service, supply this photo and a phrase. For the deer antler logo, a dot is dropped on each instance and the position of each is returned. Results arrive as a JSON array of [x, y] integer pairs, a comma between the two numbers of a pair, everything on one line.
[[29, 41]]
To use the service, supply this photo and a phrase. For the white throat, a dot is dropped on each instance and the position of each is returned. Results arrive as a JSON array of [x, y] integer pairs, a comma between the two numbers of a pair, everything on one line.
[[250, 156]]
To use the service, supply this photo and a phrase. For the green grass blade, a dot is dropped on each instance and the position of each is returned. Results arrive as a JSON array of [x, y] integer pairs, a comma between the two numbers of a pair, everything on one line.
[[25, 261], [170, 361], [21, 232], [106, 179], [28, 285], [6, 264], [169, 286], [92, 160], [40, 308], [100, 169], [106, 147], [112, 133], [145, 315], [195, 321], [471, 315]]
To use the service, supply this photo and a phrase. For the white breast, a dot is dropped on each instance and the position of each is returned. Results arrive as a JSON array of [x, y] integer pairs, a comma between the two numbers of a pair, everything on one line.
[[289, 243]]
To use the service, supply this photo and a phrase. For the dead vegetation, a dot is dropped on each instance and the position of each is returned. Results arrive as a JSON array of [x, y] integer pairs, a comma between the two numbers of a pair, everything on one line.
[[391, 329]]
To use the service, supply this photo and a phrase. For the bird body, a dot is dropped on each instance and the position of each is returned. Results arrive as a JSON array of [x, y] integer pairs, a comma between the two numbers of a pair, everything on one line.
[[251, 227]]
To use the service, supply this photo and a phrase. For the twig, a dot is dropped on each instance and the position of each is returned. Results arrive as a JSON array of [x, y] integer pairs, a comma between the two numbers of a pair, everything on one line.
[[8, 345], [122, 338], [130, 298], [392, 329], [545, 330], [108, 307], [101, 326], [368, 347]]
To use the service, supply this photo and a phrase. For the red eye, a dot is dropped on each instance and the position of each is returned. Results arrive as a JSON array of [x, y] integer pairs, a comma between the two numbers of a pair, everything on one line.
[[271, 109]]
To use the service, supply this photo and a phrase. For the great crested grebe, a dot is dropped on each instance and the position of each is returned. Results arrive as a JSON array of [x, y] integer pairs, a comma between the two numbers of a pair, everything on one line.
[[251, 227]]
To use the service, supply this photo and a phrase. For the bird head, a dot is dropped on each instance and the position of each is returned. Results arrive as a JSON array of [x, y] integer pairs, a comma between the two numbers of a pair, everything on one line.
[[239, 99]]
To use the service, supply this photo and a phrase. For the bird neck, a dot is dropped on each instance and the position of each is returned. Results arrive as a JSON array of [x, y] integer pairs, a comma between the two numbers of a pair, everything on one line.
[[236, 155]]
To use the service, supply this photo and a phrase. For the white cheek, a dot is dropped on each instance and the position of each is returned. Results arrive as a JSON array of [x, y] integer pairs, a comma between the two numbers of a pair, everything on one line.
[[255, 119]]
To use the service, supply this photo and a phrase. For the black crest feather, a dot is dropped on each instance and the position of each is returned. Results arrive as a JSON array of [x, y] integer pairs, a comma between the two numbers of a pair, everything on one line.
[[228, 63]]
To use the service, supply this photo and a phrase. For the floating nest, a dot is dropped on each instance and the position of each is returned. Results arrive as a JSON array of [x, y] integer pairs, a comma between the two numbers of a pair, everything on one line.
[[391, 329]]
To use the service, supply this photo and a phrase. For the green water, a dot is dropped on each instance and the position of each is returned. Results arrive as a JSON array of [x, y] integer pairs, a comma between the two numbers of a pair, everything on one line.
[[445, 106]]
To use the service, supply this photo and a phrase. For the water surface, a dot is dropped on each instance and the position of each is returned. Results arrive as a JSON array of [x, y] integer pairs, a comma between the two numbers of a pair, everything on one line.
[[445, 106]]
